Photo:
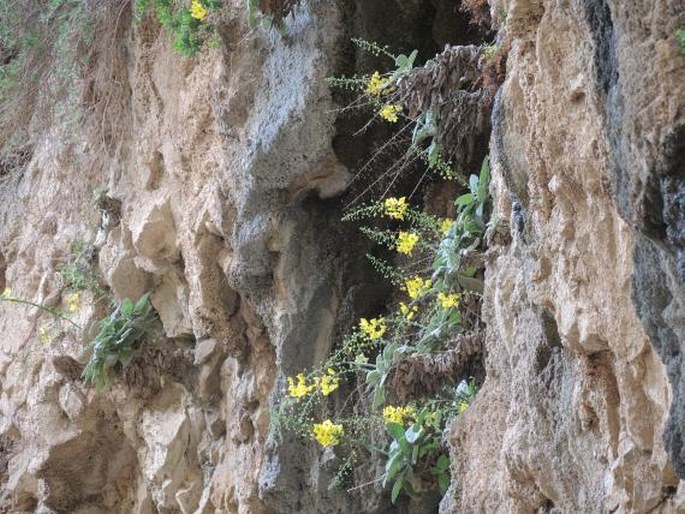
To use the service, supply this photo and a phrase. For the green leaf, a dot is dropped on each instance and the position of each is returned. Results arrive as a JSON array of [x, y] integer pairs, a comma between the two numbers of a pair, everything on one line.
[[465, 199], [443, 482], [392, 466], [413, 433], [468, 272], [412, 58], [126, 308], [397, 488], [473, 184], [379, 396], [479, 211], [373, 377], [443, 463], [267, 23], [142, 304], [396, 430], [252, 8], [485, 171]]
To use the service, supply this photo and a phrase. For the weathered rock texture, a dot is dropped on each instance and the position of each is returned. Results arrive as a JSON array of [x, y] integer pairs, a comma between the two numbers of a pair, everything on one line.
[[222, 166], [227, 168], [584, 307], [223, 174]]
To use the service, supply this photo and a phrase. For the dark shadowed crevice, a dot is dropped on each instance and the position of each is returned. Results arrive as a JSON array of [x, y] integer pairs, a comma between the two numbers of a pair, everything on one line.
[[656, 209], [403, 25], [659, 274], [652, 296], [3, 270], [598, 18]]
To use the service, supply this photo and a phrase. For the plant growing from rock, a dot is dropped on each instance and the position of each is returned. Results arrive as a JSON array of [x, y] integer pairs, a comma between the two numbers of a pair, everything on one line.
[[118, 336], [390, 419], [439, 107], [409, 365], [77, 272], [189, 22], [64, 315], [119, 333]]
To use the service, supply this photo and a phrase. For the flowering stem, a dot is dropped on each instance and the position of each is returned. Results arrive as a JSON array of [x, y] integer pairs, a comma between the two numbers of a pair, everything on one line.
[[54, 313]]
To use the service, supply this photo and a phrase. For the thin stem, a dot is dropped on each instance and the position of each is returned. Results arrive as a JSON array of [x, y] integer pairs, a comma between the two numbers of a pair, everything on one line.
[[54, 313]]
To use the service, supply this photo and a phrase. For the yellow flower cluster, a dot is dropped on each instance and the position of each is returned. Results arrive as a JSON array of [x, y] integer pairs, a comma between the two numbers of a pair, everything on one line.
[[447, 301], [7, 295], [72, 302], [399, 415], [361, 359], [327, 434], [373, 328], [300, 389], [329, 382], [416, 287], [197, 10], [377, 86], [408, 311], [45, 336], [396, 207], [445, 226], [462, 407], [389, 112], [406, 242]]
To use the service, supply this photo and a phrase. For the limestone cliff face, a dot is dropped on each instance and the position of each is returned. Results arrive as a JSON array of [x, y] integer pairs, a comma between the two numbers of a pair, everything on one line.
[[228, 167], [214, 159], [584, 306]]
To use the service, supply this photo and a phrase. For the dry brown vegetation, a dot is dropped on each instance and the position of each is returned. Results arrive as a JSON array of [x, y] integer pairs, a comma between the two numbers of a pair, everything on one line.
[[52, 66]]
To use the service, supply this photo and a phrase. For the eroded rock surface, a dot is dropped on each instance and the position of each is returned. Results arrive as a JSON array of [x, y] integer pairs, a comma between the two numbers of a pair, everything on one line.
[[215, 159], [222, 175], [573, 415]]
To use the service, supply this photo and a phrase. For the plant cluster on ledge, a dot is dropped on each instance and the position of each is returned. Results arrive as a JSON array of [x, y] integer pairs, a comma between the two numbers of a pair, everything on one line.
[[189, 23], [407, 368]]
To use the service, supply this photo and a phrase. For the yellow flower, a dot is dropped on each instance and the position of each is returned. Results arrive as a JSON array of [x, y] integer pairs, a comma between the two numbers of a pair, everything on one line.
[[7, 295], [445, 226], [448, 300], [376, 85], [197, 10], [373, 328], [462, 407], [408, 311], [389, 112], [72, 302], [416, 287], [399, 415], [396, 207], [301, 388], [406, 242], [327, 434], [329, 382], [45, 336]]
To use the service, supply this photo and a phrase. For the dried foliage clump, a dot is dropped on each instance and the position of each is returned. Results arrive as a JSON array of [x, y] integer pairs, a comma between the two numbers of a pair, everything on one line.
[[494, 67], [150, 363], [452, 88], [277, 9], [58, 60], [425, 375], [478, 11]]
